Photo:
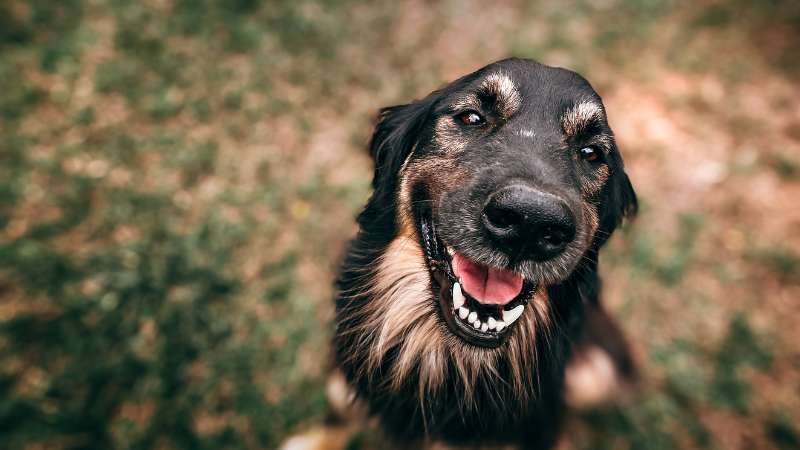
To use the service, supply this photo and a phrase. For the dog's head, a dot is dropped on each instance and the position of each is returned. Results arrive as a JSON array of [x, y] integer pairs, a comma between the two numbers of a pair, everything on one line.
[[507, 179], [486, 192]]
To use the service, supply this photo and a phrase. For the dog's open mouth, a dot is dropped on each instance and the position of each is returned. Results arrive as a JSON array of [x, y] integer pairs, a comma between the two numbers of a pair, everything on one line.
[[480, 304]]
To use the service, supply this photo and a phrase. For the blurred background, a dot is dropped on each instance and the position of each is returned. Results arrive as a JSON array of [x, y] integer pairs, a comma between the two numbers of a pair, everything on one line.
[[178, 179]]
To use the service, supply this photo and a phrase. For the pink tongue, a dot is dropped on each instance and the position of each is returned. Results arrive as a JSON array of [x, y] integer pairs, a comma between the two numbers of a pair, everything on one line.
[[487, 285]]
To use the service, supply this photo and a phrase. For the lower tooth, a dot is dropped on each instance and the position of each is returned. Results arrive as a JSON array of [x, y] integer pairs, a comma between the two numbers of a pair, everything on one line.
[[510, 316], [463, 312], [484, 327], [473, 316], [500, 325], [476, 324], [492, 323]]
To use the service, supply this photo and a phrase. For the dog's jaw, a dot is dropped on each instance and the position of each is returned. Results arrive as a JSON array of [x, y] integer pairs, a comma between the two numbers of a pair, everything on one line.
[[474, 321]]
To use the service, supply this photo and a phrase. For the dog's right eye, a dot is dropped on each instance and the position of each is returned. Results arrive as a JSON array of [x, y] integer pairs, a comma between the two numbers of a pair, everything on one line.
[[590, 154], [470, 118]]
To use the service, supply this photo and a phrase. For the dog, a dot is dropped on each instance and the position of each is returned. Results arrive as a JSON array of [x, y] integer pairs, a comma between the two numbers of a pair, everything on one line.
[[468, 312]]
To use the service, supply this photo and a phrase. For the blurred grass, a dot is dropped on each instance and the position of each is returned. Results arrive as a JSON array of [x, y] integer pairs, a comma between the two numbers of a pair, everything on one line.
[[178, 179]]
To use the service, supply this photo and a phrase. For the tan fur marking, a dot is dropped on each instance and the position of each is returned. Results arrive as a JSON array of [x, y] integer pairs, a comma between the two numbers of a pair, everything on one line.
[[593, 184], [321, 438], [468, 101], [591, 379], [447, 136], [503, 87], [341, 397], [579, 116], [541, 306], [437, 173], [403, 314], [401, 292], [592, 221]]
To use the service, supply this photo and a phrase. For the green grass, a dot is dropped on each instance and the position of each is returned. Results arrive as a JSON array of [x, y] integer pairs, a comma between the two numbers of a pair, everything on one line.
[[178, 181]]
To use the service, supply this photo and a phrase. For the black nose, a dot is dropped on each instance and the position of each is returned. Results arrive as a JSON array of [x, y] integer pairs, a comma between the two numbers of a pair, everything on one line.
[[528, 223]]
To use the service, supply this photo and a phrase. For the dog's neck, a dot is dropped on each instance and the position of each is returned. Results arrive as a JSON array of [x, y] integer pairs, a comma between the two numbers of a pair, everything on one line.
[[420, 380]]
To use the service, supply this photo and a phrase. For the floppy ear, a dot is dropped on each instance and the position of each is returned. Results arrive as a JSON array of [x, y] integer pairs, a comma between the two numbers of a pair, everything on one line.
[[627, 204], [395, 136], [629, 200], [620, 202], [394, 139]]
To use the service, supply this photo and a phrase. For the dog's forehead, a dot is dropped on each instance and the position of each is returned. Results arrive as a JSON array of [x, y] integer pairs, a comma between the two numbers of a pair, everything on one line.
[[524, 88], [536, 80]]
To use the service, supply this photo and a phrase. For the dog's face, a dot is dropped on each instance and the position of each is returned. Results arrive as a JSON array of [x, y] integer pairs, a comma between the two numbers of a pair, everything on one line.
[[509, 176], [487, 193]]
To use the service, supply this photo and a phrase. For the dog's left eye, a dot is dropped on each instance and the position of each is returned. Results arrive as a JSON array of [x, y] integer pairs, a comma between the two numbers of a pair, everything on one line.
[[470, 118]]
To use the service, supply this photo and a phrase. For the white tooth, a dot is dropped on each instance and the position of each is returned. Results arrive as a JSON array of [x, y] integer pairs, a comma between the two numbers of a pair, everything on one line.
[[484, 327], [492, 323], [476, 324], [450, 251], [463, 312], [500, 326], [510, 316], [473, 316], [458, 296]]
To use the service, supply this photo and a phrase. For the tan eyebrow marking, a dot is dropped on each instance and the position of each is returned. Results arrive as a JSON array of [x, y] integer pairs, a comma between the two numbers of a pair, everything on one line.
[[507, 98], [580, 116], [468, 101]]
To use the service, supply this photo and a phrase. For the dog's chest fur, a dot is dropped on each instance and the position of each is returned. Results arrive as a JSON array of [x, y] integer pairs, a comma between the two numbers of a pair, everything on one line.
[[505, 396]]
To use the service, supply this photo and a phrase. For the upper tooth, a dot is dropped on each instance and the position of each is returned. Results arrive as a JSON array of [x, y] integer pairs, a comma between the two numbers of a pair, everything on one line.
[[458, 296], [473, 316], [463, 312], [492, 323], [510, 316]]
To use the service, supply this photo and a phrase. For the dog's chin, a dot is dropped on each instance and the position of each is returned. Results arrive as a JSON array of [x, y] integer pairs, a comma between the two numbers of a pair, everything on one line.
[[483, 323]]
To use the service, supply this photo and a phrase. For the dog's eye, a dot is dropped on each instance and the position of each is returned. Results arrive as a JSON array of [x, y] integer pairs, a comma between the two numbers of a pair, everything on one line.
[[590, 154], [470, 118]]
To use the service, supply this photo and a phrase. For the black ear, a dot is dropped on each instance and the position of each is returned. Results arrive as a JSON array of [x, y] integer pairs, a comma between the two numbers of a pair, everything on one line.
[[627, 204], [629, 201], [396, 135], [619, 203]]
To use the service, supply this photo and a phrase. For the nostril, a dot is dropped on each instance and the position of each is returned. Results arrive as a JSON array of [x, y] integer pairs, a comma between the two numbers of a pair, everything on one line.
[[502, 218], [557, 236]]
